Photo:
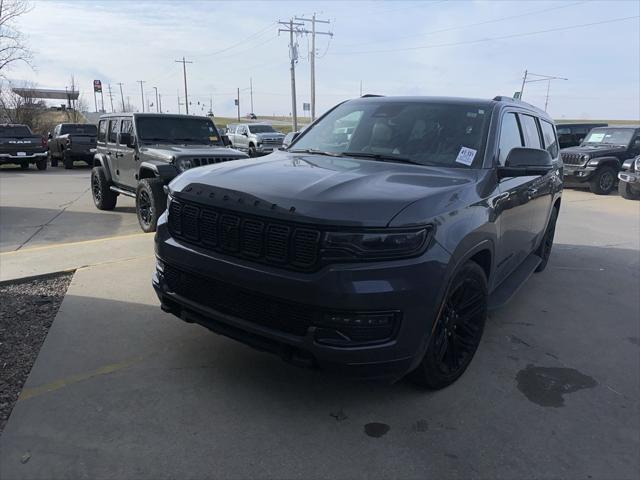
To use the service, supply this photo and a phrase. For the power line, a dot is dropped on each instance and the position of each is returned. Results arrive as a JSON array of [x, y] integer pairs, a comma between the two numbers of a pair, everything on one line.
[[312, 54], [184, 71], [460, 27], [484, 40], [250, 37]]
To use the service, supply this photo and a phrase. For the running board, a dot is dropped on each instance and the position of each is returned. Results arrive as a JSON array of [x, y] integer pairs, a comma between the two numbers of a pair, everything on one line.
[[122, 191], [510, 286]]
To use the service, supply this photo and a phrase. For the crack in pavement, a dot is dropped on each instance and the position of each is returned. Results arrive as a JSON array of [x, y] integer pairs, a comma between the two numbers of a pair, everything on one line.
[[41, 227]]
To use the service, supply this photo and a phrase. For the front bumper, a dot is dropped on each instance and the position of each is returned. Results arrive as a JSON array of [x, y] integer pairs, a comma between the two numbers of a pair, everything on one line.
[[268, 148], [412, 287], [577, 174], [633, 178]]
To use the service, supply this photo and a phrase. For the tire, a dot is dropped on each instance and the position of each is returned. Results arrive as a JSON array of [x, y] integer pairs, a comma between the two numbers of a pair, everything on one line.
[[627, 191], [103, 197], [67, 161], [544, 250], [24, 165], [41, 164], [151, 201], [252, 150], [455, 337], [603, 181]]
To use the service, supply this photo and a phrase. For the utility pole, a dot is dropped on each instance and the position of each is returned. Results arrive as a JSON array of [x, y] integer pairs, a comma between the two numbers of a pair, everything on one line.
[[141, 92], [293, 27], [539, 78], [211, 106], [178, 95], [160, 103], [111, 97], [102, 99], [121, 95], [360, 87], [251, 88], [238, 103], [184, 72], [157, 105], [313, 21]]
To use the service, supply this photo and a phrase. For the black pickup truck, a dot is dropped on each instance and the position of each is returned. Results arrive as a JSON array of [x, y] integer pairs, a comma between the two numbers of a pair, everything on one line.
[[72, 141], [19, 145]]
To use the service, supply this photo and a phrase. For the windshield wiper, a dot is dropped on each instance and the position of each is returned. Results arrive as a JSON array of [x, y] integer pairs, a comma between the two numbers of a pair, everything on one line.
[[189, 139], [317, 152], [380, 156]]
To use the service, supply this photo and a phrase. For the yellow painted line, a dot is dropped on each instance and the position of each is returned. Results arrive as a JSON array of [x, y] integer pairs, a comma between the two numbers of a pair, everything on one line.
[[82, 242], [28, 393]]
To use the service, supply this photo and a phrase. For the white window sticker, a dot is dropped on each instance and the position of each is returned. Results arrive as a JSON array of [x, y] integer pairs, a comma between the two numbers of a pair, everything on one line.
[[596, 137], [466, 156]]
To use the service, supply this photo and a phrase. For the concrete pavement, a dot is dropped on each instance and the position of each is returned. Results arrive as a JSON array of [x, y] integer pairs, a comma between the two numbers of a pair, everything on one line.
[[123, 390]]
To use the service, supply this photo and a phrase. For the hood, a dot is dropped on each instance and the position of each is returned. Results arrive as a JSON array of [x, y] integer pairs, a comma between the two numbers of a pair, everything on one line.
[[594, 150], [167, 152], [319, 189]]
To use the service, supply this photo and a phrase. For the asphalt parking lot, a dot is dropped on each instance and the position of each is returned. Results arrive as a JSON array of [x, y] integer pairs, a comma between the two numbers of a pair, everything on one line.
[[123, 390]]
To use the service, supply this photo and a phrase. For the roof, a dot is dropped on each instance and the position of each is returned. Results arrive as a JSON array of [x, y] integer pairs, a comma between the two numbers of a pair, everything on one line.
[[583, 124], [141, 115], [46, 93]]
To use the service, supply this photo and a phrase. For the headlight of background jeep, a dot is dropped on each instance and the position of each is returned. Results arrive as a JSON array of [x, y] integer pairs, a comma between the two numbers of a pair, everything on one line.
[[184, 164], [585, 158], [374, 245]]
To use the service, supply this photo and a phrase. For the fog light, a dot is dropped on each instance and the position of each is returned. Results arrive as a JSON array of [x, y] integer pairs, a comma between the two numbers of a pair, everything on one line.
[[374, 319], [353, 328]]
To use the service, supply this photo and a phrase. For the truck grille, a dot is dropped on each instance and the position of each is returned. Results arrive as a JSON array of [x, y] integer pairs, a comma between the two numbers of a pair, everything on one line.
[[572, 158], [287, 245], [272, 141], [200, 161], [250, 306]]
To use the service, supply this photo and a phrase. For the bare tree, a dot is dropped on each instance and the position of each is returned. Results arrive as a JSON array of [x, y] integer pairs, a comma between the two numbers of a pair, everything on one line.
[[13, 45], [22, 109]]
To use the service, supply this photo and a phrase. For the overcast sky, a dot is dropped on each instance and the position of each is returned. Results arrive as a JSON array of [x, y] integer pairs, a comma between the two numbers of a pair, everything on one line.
[[469, 48]]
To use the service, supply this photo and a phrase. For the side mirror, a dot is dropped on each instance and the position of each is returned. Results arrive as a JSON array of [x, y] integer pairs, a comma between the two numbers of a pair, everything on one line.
[[524, 162], [245, 134], [49, 136], [225, 140], [127, 139]]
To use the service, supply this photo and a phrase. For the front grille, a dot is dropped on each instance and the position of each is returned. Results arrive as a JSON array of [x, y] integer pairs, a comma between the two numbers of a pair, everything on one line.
[[200, 161], [250, 306], [272, 141], [572, 158], [287, 245]]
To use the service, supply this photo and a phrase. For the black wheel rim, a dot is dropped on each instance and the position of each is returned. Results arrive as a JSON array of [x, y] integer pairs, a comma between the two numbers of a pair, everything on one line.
[[606, 181], [97, 191], [459, 330], [144, 207]]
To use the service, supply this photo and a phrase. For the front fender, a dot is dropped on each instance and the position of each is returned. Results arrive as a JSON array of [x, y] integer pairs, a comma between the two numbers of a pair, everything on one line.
[[602, 161], [165, 171], [104, 161]]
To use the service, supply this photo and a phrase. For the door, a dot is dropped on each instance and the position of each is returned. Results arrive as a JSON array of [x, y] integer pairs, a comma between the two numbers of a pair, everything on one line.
[[112, 153], [127, 159], [540, 188], [543, 188], [242, 137], [512, 204]]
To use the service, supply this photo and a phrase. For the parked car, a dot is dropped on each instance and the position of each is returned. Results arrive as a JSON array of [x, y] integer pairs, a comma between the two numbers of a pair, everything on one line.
[[378, 254], [251, 116], [18, 145], [254, 138], [596, 162], [572, 134], [139, 153], [70, 142], [629, 179]]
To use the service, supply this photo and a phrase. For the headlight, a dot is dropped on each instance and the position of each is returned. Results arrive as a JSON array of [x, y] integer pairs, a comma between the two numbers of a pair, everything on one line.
[[585, 158], [184, 164], [374, 245], [636, 165]]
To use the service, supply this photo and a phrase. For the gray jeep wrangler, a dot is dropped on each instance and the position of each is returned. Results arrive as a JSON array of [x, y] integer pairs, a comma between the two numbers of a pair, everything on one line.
[[137, 154]]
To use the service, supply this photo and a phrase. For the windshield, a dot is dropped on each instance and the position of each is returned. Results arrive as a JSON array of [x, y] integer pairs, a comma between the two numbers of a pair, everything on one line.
[[80, 129], [425, 133], [17, 131], [200, 131], [262, 129], [609, 136]]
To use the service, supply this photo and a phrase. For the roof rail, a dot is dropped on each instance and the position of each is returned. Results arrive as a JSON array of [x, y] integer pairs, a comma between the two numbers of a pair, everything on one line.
[[504, 98], [367, 95]]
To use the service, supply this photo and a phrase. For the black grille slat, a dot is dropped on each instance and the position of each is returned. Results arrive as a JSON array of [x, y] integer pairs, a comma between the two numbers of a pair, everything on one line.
[[572, 158], [235, 234], [253, 307]]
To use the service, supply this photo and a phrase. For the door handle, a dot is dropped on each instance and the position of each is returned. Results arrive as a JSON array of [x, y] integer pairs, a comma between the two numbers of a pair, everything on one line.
[[119, 154]]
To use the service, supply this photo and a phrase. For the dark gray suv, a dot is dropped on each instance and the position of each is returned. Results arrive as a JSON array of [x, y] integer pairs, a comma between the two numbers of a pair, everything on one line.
[[373, 245]]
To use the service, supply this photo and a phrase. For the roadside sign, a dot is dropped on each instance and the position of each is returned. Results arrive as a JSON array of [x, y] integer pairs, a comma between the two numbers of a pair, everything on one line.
[[306, 107], [517, 95], [235, 101], [97, 86]]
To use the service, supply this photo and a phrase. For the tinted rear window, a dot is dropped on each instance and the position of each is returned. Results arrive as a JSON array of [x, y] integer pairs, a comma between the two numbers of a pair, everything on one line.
[[17, 131], [80, 129]]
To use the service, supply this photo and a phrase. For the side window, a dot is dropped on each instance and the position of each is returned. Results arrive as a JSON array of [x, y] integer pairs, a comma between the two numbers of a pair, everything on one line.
[[126, 127], [550, 140], [102, 131], [530, 131], [113, 130], [56, 131], [510, 136]]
